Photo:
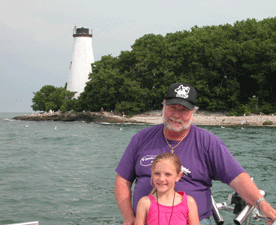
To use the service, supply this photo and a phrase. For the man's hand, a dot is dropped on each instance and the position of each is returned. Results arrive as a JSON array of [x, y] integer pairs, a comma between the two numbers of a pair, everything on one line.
[[129, 223], [268, 211]]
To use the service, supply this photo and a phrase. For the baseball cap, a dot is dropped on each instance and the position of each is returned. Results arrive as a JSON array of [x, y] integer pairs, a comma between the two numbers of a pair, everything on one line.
[[181, 94]]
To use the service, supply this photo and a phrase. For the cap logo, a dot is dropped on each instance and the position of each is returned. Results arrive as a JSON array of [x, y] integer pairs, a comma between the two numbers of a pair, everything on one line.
[[182, 92]]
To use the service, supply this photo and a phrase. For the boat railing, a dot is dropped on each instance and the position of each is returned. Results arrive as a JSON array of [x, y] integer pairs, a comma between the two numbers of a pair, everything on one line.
[[243, 210]]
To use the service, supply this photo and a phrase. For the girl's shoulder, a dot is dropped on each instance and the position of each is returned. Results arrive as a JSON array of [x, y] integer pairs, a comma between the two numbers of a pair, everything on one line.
[[191, 201], [190, 198], [145, 201], [145, 198]]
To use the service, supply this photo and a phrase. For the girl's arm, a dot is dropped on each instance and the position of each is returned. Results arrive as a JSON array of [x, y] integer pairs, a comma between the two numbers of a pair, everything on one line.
[[193, 212], [142, 211]]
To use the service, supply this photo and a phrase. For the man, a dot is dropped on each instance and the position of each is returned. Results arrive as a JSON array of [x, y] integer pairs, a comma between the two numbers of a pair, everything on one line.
[[203, 155]]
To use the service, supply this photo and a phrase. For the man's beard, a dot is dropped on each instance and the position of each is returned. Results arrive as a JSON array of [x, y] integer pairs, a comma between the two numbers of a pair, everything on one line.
[[172, 128]]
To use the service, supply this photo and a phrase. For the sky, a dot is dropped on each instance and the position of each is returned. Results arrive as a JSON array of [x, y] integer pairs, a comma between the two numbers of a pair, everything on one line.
[[36, 40]]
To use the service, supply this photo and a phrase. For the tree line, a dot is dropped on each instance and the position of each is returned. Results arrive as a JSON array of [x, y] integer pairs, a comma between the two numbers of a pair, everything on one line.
[[231, 67]]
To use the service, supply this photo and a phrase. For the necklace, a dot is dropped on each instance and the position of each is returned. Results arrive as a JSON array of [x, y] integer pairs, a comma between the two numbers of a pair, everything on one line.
[[172, 148], [159, 211]]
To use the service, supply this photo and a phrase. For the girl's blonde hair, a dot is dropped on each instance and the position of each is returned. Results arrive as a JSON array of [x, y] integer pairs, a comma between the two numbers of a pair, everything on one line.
[[165, 156]]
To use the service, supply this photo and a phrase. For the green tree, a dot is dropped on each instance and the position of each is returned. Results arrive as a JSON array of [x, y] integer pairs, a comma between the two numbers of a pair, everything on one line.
[[152, 69], [227, 64], [51, 98], [101, 90]]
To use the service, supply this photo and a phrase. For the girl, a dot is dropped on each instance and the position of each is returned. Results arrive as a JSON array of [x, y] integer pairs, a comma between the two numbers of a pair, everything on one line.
[[164, 205]]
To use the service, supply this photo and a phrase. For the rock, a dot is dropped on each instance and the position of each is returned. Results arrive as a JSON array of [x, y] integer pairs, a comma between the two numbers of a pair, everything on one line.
[[71, 116]]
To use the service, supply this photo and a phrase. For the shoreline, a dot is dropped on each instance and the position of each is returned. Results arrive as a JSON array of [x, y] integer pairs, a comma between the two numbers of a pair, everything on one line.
[[153, 117], [216, 119]]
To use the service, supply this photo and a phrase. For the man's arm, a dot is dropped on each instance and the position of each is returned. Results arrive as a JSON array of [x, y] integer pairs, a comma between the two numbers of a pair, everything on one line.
[[250, 193], [123, 198]]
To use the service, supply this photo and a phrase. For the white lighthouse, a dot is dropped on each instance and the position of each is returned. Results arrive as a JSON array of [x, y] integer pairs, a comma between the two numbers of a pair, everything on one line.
[[82, 57]]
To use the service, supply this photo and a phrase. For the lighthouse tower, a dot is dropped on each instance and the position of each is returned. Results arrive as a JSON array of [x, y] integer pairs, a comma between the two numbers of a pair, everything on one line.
[[82, 57]]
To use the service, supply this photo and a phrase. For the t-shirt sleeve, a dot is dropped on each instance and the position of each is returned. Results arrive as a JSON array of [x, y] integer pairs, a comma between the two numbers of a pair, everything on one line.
[[126, 166], [224, 166]]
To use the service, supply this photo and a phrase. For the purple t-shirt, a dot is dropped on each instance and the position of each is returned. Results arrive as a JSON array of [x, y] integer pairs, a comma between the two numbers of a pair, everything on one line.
[[203, 155]]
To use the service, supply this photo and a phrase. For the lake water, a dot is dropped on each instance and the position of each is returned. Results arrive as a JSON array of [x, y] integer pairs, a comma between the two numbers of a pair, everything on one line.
[[63, 172]]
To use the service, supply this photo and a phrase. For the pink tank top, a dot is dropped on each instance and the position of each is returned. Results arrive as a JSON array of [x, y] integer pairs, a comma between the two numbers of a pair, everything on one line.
[[179, 215]]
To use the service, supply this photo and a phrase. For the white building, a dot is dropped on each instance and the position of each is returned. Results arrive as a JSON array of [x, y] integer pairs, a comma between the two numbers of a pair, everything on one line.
[[82, 57]]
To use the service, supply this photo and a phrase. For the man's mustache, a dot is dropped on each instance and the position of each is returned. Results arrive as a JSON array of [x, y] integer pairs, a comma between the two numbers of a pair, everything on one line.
[[175, 120]]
